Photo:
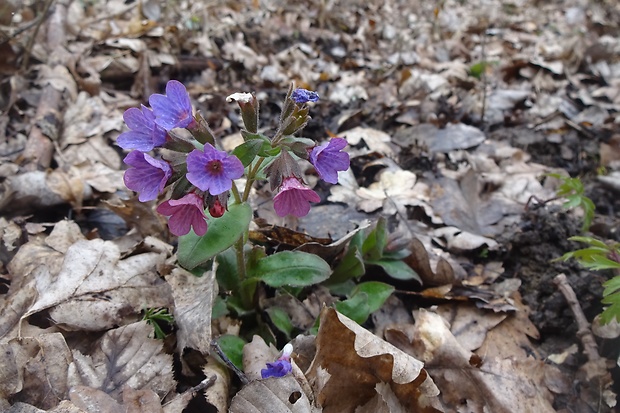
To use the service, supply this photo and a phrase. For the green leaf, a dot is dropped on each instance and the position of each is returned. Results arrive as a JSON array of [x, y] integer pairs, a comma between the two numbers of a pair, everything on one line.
[[611, 286], [477, 69], [373, 246], [343, 289], [219, 308], [351, 266], [293, 268], [247, 151], [227, 273], [281, 320], [377, 293], [397, 269], [222, 233], [356, 307], [232, 346], [589, 240]]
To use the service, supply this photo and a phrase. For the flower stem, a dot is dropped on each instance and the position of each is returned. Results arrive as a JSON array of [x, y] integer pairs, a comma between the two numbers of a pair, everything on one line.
[[250, 179]]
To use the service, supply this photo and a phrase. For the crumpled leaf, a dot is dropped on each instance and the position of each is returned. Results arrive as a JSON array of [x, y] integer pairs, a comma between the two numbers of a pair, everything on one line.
[[193, 302], [93, 280], [350, 361], [125, 356], [34, 370], [478, 383]]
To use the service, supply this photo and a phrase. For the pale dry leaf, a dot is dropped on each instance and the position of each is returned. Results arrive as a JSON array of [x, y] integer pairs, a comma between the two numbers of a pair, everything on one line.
[[217, 394], [356, 361], [125, 356], [69, 185], [469, 324], [256, 355], [193, 302], [93, 280], [141, 401], [462, 204], [42, 364], [95, 149], [10, 233], [102, 177], [384, 401], [94, 400], [272, 395], [501, 383], [373, 140]]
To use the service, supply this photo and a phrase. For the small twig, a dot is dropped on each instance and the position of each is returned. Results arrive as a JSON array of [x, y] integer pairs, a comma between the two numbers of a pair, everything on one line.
[[216, 347], [30, 45], [484, 76], [583, 326]]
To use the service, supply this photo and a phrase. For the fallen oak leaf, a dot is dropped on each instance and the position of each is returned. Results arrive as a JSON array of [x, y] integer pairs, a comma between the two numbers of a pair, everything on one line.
[[350, 362]]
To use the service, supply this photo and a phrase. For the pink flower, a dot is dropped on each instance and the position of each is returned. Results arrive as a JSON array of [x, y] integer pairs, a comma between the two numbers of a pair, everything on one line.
[[185, 213], [294, 198]]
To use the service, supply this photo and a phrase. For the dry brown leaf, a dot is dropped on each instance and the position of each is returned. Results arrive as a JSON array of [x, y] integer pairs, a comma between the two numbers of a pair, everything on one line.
[[217, 395], [273, 395], [125, 356], [39, 370], [350, 362], [500, 383]]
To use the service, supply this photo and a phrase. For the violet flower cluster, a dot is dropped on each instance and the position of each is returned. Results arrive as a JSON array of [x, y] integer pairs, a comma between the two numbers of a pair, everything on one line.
[[202, 176]]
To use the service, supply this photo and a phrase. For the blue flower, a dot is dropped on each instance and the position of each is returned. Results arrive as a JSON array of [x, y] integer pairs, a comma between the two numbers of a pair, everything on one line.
[[328, 159], [144, 133], [147, 176], [303, 96], [278, 369], [173, 110], [282, 366]]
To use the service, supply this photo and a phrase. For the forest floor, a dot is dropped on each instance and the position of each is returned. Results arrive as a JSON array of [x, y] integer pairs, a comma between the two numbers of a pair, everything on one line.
[[455, 114]]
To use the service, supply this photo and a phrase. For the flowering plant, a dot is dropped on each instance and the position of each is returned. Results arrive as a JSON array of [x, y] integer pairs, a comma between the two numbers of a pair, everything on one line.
[[206, 208]]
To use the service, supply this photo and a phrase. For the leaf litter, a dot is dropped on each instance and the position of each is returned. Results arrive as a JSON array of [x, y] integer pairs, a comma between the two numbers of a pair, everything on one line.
[[454, 112]]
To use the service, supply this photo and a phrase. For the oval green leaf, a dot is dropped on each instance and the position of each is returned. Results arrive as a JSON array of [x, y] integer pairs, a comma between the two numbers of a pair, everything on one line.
[[294, 268], [221, 235]]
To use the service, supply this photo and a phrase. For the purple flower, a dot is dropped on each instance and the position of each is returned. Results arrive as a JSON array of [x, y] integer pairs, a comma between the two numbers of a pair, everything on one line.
[[328, 159], [147, 175], [213, 170], [184, 213], [174, 110], [303, 96], [294, 198], [280, 368], [144, 134]]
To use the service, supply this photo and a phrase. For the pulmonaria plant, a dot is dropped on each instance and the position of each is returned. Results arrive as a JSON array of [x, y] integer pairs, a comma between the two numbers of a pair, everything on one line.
[[210, 171], [204, 205]]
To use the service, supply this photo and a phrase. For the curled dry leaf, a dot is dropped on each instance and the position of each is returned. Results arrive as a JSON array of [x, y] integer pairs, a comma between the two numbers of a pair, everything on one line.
[[350, 362], [480, 382], [217, 395], [35, 370]]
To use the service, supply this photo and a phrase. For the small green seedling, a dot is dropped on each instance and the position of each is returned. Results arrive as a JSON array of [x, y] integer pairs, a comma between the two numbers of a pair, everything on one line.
[[156, 317], [573, 191]]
